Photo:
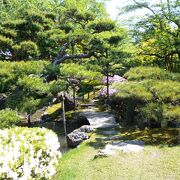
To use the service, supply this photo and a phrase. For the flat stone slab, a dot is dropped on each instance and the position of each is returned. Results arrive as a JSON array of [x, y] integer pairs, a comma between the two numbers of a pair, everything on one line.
[[126, 147], [113, 138], [100, 119], [110, 132]]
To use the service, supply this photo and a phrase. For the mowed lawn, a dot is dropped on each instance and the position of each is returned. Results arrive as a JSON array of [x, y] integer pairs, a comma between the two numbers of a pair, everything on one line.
[[157, 161]]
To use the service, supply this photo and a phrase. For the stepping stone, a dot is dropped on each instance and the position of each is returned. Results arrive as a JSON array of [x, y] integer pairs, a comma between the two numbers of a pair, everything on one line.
[[125, 147], [110, 132], [100, 119]]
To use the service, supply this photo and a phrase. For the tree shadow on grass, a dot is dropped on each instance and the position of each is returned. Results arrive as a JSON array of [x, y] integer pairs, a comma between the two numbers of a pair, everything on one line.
[[154, 137]]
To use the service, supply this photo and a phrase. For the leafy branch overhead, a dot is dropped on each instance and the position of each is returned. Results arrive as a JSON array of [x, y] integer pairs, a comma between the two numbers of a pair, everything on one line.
[[76, 28], [157, 34]]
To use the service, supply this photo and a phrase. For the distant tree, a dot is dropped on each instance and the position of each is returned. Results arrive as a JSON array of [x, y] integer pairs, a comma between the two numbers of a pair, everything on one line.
[[158, 33]]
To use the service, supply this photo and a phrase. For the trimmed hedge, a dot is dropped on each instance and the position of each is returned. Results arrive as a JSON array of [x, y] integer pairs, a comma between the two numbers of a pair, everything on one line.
[[8, 118], [148, 100], [155, 73], [28, 153]]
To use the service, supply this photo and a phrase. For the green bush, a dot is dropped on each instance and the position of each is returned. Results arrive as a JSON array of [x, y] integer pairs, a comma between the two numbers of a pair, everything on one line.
[[165, 91], [171, 113], [142, 73], [33, 84], [7, 79], [150, 114], [26, 50], [132, 90], [8, 118], [28, 153], [12, 71], [128, 97], [152, 99]]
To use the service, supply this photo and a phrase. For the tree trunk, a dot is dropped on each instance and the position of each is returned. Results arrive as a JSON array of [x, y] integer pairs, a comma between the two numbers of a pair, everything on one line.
[[64, 118], [107, 84], [74, 98]]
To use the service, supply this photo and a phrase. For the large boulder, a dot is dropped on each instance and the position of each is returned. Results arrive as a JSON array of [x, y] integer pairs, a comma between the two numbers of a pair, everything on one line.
[[82, 120], [75, 138], [86, 129], [79, 135]]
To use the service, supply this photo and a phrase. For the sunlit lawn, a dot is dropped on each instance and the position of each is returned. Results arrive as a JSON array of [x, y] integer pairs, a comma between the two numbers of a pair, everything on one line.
[[156, 162]]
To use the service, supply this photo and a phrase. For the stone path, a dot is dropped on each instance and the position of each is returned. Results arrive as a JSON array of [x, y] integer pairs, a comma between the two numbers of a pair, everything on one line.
[[125, 147], [100, 119], [107, 122]]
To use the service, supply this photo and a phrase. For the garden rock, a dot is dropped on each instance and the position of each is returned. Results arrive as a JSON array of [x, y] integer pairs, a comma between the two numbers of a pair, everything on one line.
[[75, 138], [110, 132], [112, 138], [78, 135], [125, 147], [86, 129], [100, 119]]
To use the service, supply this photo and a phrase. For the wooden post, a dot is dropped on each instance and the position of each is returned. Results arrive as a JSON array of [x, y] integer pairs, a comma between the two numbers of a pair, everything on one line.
[[64, 118], [107, 84], [74, 97]]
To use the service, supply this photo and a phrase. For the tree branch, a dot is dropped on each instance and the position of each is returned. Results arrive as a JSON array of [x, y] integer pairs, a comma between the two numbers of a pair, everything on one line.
[[145, 6], [63, 58]]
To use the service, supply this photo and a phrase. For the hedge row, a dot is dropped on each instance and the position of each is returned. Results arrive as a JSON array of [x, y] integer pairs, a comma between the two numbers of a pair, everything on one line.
[[151, 97]]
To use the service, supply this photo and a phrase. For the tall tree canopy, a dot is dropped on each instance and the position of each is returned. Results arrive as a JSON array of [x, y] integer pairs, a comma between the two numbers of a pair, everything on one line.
[[158, 32], [81, 29]]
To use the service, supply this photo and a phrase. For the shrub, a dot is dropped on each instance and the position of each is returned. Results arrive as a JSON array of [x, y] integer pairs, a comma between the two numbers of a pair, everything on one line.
[[132, 90], [141, 73], [165, 91], [145, 101], [171, 113], [26, 50], [28, 153], [8, 118], [12, 71], [151, 114], [33, 84]]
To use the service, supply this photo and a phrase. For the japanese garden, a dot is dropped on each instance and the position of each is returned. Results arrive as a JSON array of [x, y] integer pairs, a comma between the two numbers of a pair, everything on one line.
[[85, 95]]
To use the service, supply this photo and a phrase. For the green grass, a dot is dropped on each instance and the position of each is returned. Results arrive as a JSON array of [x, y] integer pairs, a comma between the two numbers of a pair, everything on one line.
[[53, 108], [157, 161]]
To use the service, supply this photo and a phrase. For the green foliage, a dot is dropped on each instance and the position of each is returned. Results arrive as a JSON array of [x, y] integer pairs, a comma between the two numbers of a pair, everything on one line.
[[33, 84], [132, 90], [150, 99], [39, 32], [57, 86], [52, 70], [12, 71], [157, 33], [8, 118], [102, 25], [165, 91], [23, 86], [4, 41], [149, 113], [171, 112], [26, 50], [25, 103], [156, 73]]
